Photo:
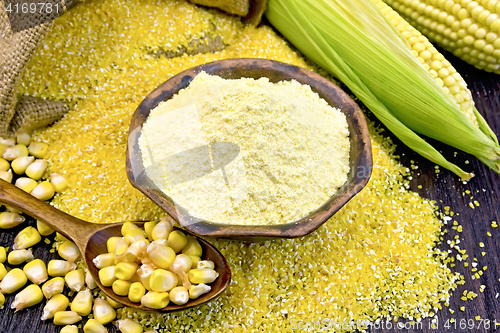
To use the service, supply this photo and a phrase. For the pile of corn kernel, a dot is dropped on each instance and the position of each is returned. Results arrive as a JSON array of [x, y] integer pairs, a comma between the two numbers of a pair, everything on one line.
[[375, 259]]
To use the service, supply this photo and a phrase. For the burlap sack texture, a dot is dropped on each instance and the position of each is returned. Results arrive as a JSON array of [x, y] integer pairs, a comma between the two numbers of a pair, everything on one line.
[[21, 33]]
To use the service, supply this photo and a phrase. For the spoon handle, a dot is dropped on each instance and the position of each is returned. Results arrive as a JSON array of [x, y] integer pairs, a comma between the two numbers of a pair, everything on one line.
[[78, 230]]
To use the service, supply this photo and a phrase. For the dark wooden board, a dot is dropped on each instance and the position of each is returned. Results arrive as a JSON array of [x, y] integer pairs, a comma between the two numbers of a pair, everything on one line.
[[444, 187]]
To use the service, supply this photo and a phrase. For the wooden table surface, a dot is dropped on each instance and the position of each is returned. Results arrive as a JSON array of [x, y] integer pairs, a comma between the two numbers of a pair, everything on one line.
[[443, 187]]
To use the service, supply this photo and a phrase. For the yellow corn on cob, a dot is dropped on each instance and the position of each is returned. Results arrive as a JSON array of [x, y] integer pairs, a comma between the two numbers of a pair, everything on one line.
[[433, 61], [468, 29]]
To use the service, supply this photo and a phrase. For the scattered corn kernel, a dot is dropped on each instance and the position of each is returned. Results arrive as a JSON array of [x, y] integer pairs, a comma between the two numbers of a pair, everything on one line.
[[206, 264], [10, 220], [82, 303], [2, 300], [57, 303], [38, 149], [43, 191], [121, 287], [23, 138], [58, 267], [127, 226], [196, 291], [3, 271], [69, 329], [36, 169], [69, 251], [53, 287], [3, 254], [20, 164], [66, 318], [29, 296], [128, 326], [4, 164], [28, 237], [89, 281], [75, 280], [7, 176], [134, 235], [43, 229], [111, 244], [36, 271], [103, 312], [93, 326], [13, 152], [59, 182], [17, 257], [26, 184]]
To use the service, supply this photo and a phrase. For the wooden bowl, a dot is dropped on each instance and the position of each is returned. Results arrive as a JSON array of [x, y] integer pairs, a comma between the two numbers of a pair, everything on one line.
[[360, 153]]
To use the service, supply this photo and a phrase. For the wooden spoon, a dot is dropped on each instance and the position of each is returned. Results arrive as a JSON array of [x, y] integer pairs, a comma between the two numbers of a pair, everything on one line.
[[91, 240]]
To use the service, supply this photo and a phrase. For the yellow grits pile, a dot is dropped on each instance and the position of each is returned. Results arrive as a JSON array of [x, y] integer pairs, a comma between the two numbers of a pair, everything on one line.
[[246, 151], [375, 259]]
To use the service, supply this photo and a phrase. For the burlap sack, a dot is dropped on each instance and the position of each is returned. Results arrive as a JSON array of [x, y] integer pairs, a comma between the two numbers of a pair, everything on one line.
[[22, 32]]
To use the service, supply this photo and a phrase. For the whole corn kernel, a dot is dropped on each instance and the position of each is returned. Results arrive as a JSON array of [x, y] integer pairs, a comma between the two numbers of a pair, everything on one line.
[[59, 182], [93, 326], [13, 152], [36, 169], [160, 254], [2, 300], [3, 271], [69, 251], [129, 326], [23, 138], [57, 303], [107, 276], [28, 237], [38, 149], [59, 267], [89, 281], [125, 270], [104, 260], [114, 304], [69, 329], [111, 244], [162, 280], [43, 191], [7, 141], [136, 291], [103, 311], [3, 254], [135, 252], [66, 318], [53, 287], [120, 247], [43, 229], [206, 264], [4, 164], [162, 229], [177, 240], [144, 272], [17, 257], [133, 235], [202, 275], [82, 303], [181, 265], [10, 220], [61, 237], [7, 175], [148, 226], [36, 271], [29, 296], [155, 300], [20, 164], [75, 280], [196, 291], [192, 247], [195, 260], [127, 226], [121, 287], [179, 295], [26, 184]]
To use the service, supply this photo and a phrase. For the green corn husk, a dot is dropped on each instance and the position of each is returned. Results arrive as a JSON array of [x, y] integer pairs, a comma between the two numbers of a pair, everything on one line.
[[353, 41]]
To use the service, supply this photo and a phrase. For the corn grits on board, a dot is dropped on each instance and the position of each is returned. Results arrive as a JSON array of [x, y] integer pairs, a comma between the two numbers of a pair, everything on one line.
[[376, 257]]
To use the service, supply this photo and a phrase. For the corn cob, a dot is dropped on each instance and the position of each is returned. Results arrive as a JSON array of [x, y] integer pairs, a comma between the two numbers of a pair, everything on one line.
[[341, 35], [468, 29]]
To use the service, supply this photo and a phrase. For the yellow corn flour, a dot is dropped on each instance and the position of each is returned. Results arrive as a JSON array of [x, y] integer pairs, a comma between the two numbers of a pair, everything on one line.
[[272, 153], [377, 258]]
